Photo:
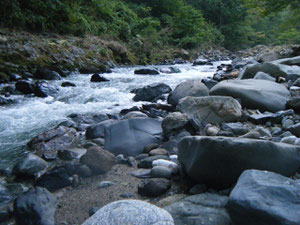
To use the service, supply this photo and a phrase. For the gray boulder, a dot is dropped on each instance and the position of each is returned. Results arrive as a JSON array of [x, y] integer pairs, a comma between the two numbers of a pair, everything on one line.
[[150, 92], [207, 208], [295, 129], [133, 212], [174, 122], [37, 206], [44, 89], [97, 131], [295, 61], [268, 56], [129, 137], [188, 88], [153, 187], [273, 69], [30, 166], [219, 161], [265, 198], [211, 109], [254, 94], [264, 76], [46, 74]]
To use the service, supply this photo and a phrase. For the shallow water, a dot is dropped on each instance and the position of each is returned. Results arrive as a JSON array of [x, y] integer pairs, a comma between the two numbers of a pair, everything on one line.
[[32, 115]]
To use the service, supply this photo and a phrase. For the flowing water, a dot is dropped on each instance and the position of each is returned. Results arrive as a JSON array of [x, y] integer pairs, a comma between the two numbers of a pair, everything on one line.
[[32, 115]]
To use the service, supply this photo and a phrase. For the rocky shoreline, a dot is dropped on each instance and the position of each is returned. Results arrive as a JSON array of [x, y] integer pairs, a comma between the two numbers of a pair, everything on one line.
[[202, 157]]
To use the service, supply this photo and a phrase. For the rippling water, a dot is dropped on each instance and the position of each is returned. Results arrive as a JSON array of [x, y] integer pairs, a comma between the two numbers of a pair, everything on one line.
[[31, 115]]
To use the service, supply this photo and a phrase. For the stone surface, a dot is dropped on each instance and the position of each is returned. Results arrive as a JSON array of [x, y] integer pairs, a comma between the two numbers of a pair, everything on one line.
[[295, 61], [158, 151], [254, 94], [133, 212], [133, 114], [150, 92], [98, 78], [188, 88], [206, 209], [24, 86], [98, 160], [153, 187], [147, 162], [44, 89], [161, 172], [211, 109], [97, 131], [129, 137], [146, 71], [265, 198], [29, 167], [54, 179], [295, 129], [235, 128], [37, 206], [166, 163], [174, 122], [263, 76], [219, 161], [46, 74]]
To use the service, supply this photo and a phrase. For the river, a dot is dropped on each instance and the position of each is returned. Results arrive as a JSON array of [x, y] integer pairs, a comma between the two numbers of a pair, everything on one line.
[[32, 115]]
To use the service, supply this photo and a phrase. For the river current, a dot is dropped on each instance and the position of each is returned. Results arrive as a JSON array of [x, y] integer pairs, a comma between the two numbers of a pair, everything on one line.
[[32, 115]]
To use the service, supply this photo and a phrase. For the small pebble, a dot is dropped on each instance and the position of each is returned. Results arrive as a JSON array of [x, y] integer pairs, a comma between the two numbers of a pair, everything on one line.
[[105, 184]]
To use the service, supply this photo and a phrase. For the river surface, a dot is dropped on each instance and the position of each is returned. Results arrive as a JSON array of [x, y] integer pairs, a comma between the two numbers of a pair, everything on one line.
[[32, 115]]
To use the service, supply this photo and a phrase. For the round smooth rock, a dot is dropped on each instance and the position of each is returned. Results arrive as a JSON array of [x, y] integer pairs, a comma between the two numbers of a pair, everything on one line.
[[133, 212], [161, 172]]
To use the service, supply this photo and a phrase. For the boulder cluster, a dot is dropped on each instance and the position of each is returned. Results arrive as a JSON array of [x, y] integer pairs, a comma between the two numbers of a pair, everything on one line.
[[230, 142]]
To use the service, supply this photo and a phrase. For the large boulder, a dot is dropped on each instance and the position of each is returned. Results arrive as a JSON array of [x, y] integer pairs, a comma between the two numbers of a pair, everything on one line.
[[98, 160], [37, 206], [265, 198], [44, 89], [129, 137], [133, 212], [48, 143], [24, 86], [188, 88], [274, 69], [46, 74], [174, 122], [150, 92], [295, 61], [153, 187], [219, 161], [146, 71], [211, 109], [254, 94], [29, 167], [97, 131], [206, 209]]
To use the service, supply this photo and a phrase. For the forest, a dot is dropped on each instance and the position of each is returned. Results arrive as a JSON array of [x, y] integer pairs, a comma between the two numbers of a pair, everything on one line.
[[233, 24]]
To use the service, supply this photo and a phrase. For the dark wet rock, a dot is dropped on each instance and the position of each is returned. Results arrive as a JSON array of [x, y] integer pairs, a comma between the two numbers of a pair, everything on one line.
[[211, 109], [263, 118], [294, 103], [264, 76], [131, 161], [29, 167], [208, 209], [93, 69], [5, 101], [292, 77], [174, 122], [130, 212], [25, 87], [147, 162], [262, 197], [295, 129], [158, 151], [254, 94], [153, 187], [46, 74], [150, 92], [129, 137], [44, 89], [68, 84], [219, 161], [150, 147], [146, 71], [97, 131], [98, 78], [85, 171], [188, 88], [37, 206], [67, 154], [158, 106], [88, 119], [48, 143], [125, 111], [198, 189], [98, 160], [209, 83], [14, 77], [6, 214], [54, 179]]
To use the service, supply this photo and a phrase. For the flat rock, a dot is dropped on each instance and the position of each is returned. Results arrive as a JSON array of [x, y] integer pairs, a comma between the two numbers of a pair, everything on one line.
[[254, 94], [208, 209], [150, 92], [265, 198], [211, 109], [146, 71], [133, 212], [153, 187], [129, 137], [219, 161]]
